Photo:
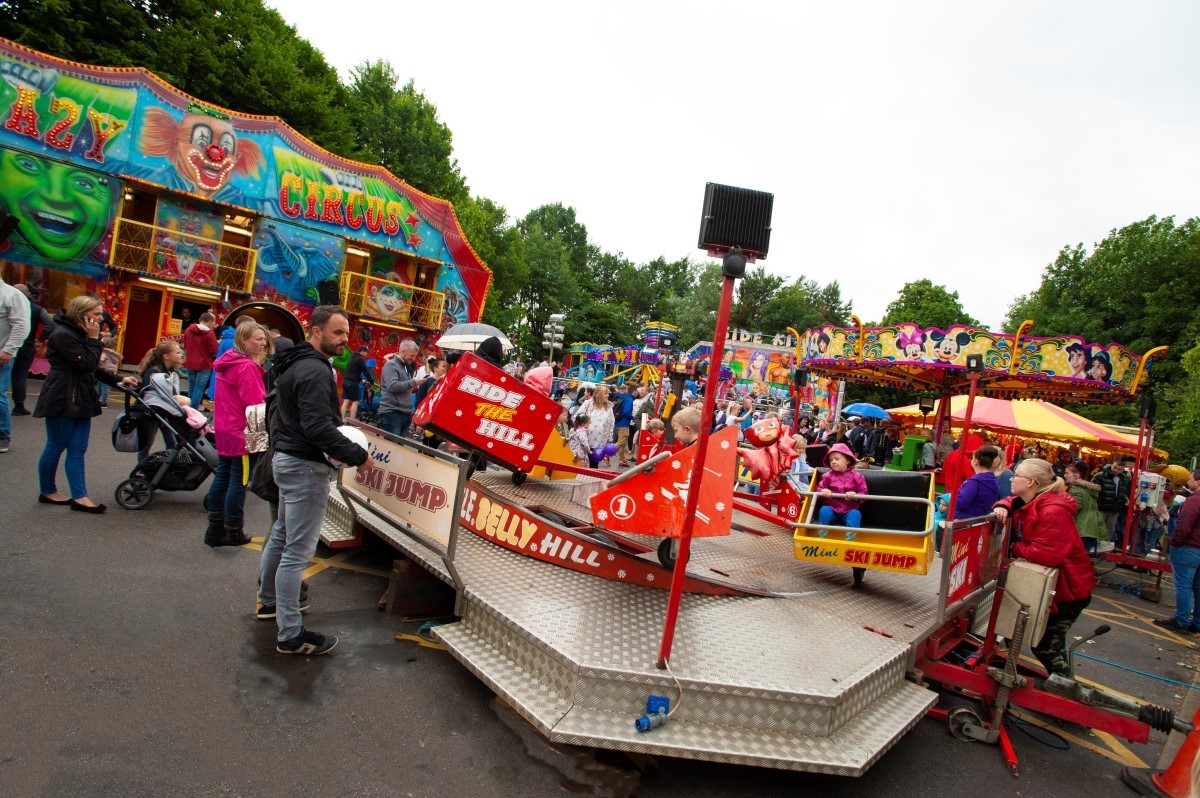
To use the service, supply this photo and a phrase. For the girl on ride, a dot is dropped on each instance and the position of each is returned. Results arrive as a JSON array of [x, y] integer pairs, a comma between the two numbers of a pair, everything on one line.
[[1043, 532], [840, 478]]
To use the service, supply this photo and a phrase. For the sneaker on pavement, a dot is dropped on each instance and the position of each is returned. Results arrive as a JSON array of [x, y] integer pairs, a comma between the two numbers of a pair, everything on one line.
[[308, 644], [1174, 626], [267, 611], [4, 444], [19, 411]]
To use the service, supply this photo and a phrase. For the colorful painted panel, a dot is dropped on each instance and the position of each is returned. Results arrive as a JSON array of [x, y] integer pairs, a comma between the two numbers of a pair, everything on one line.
[[761, 369], [909, 351], [126, 122], [185, 245], [293, 260], [66, 213]]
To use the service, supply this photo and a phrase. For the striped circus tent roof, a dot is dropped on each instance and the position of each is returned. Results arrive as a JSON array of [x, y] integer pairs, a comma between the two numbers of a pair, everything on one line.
[[1032, 418]]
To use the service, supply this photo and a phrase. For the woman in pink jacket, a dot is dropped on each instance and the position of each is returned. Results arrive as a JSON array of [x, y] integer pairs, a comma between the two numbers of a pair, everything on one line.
[[239, 384]]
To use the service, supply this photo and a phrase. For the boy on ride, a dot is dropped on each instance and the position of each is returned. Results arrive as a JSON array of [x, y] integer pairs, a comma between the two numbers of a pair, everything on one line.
[[840, 478]]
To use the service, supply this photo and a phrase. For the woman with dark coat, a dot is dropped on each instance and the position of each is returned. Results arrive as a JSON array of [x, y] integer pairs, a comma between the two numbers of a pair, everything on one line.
[[1043, 532], [69, 400]]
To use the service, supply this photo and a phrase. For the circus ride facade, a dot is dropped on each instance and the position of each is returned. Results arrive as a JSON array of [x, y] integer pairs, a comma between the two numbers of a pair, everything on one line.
[[166, 206]]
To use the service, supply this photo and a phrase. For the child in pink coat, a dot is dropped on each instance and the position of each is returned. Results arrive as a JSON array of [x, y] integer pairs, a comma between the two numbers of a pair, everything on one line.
[[840, 478]]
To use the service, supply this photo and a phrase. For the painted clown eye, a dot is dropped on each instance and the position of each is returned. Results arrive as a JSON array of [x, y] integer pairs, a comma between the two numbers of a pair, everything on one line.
[[201, 135], [228, 142]]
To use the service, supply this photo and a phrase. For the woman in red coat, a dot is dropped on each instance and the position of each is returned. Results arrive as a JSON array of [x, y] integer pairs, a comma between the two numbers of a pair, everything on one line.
[[1043, 532]]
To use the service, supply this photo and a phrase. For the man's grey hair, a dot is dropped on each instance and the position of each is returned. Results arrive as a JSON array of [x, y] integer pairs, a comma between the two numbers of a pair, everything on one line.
[[409, 345]]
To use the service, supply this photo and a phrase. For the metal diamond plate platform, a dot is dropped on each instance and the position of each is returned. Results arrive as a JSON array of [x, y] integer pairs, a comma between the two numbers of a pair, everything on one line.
[[804, 680]]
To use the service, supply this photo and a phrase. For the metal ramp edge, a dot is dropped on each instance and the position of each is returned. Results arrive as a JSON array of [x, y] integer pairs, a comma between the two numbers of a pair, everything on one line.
[[338, 525], [541, 688], [623, 683]]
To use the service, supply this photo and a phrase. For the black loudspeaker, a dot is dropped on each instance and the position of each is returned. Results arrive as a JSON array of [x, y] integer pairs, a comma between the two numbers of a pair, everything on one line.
[[8, 225], [327, 292], [800, 378], [1148, 408], [736, 217]]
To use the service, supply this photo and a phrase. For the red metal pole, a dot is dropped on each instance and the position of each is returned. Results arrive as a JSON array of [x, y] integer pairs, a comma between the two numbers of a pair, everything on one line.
[[1126, 543], [693, 497], [962, 441]]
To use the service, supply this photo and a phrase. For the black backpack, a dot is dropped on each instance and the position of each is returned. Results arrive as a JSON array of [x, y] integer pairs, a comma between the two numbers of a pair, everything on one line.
[[262, 474]]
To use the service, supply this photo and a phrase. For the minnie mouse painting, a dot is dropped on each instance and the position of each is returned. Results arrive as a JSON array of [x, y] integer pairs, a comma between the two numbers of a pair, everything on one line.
[[911, 344], [945, 347]]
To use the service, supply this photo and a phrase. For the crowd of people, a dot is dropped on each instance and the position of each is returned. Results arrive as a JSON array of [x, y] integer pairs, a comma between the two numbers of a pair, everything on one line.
[[1060, 511]]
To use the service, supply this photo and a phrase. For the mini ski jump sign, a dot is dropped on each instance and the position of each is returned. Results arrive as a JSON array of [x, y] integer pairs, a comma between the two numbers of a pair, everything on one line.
[[652, 502]]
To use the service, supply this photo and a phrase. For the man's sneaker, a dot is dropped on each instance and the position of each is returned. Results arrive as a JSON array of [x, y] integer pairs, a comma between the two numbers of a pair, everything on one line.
[[308, 644], [4, 444], [267, 612], [1174, 626]]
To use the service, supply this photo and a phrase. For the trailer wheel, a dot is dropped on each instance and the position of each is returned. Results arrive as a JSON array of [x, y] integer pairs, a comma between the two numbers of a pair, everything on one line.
[[859, 573], [959, 718], [134, 494], [666, 553], [518, 478]]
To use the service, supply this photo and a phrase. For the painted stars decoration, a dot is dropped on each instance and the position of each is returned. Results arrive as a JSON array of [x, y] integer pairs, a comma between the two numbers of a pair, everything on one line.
[[602, 515]]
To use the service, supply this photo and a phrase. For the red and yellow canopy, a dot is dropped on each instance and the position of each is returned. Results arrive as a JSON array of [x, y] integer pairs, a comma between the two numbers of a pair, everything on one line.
[[1032, 418]]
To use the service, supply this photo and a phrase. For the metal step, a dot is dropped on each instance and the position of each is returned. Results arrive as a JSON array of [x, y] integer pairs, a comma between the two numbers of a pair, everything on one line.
[[593, 706]]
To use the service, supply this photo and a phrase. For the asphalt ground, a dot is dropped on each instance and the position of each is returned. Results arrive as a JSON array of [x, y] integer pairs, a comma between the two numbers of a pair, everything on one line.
[[130, 665]]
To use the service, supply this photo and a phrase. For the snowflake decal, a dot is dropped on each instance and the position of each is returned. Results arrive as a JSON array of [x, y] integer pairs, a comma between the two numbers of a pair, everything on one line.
[[724, 444], [490, 444], [649, 577], [547, 416], [474, 366], [525, 459], [720, 507], [602, 515], [458, 413], [621, 574], [849, 536], [676, 465], [822, 533], [649, 496], [611, 556]]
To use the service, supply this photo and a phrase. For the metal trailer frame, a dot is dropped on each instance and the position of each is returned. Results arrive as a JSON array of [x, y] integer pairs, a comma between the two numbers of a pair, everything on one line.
[[802, 672]]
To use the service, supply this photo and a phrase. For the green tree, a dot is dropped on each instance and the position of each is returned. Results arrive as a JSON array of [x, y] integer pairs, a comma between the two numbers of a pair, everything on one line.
[[1140, 287], [399, 129], [237, 54], [695, 313], [550, 287], [1181, 435], [927, 305], [754, 291], [803, 304], [499, 244]]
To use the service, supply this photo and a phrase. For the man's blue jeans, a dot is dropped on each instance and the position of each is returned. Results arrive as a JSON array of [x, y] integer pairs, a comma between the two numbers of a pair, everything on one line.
[[5, 406], [1185, 561], [395, 422], [70, 435], [303, 493], [197, 382]]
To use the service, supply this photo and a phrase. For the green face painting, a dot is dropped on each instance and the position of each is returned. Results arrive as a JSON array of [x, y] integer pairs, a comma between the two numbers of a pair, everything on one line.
[[64, 210]]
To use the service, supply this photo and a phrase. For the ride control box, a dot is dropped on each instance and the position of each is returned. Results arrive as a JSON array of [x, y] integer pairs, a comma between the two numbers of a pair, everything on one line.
[[1150, 489]]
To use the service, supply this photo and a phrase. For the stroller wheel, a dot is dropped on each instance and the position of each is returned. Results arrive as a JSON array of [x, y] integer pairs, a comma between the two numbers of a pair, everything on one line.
[[134, 494]]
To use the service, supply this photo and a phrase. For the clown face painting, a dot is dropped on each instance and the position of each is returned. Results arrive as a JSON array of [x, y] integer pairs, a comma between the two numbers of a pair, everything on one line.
[[205, 150]]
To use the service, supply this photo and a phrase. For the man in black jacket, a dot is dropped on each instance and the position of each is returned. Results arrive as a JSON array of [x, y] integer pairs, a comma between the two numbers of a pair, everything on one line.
[[304, 431], [1115, 484]]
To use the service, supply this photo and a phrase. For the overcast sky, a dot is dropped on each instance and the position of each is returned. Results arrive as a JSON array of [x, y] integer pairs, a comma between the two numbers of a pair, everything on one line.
[[963, 142]]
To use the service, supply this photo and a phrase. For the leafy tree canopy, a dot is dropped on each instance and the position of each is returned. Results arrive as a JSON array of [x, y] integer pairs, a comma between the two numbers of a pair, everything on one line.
[[928, 305]]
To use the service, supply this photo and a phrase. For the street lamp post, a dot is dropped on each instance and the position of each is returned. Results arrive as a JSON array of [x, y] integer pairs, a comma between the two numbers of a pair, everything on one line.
[[552, 334]]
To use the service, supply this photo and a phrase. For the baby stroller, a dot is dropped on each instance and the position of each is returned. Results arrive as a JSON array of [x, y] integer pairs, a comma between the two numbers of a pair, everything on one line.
[[183, 467]]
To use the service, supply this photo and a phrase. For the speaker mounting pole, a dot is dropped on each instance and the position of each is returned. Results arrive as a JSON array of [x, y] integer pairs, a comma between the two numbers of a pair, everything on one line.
[[735, 225]]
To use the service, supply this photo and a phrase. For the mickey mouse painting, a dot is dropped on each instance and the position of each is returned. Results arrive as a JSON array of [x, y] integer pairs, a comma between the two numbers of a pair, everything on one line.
[[945, 346]]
